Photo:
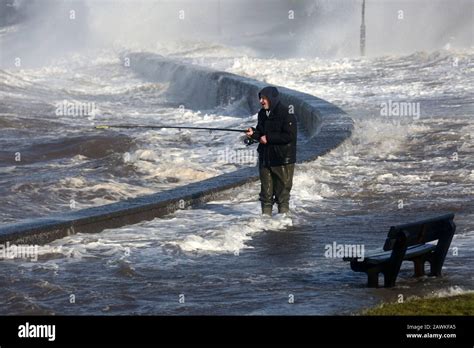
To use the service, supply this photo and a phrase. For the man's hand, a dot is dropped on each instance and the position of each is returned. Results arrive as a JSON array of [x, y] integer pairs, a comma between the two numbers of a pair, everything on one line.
[[249, 132], [263, 139]]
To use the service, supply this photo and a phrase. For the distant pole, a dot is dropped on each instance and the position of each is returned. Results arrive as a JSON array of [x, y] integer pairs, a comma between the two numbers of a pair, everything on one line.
[[219, 28], [362, 31]]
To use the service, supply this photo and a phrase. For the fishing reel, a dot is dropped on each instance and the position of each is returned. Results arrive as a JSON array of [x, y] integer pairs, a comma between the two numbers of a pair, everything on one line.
[[249, 141]]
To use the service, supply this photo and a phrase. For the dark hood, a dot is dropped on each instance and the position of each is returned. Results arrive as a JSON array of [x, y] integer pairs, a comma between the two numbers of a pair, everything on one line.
[[272, 94]]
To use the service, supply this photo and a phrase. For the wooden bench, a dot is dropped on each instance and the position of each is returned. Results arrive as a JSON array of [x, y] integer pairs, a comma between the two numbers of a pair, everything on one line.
[[408, 242]]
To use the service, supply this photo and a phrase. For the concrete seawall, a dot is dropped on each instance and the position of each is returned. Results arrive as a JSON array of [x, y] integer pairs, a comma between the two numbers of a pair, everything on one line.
[[326, 126]]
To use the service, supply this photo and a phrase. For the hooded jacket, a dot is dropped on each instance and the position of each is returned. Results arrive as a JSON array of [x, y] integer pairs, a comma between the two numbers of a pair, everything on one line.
[[280, 128]]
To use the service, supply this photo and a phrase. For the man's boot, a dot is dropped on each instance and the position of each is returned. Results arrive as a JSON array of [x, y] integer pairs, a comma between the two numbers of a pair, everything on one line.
[[283, 209], [266, 209]]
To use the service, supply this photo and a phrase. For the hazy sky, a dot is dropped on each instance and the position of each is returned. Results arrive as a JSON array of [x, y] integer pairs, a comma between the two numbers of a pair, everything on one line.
[[270, 27]]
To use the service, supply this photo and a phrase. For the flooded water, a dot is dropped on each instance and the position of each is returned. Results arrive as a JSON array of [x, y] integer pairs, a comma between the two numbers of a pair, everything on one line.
[[223, 257], [53, 159]]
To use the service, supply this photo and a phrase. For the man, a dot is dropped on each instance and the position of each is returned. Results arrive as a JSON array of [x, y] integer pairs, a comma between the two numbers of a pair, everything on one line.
[[276, 133]]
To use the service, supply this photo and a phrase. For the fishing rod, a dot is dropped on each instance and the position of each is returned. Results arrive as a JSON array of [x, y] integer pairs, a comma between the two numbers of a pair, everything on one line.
[[170, 127], [248, 141]]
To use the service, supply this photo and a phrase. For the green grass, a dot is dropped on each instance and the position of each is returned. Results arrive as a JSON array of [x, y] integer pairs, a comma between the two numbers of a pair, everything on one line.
[[453, 305]]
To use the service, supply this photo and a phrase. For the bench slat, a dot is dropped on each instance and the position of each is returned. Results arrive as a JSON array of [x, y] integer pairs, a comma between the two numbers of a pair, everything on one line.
[[382, 256], [417, 250]]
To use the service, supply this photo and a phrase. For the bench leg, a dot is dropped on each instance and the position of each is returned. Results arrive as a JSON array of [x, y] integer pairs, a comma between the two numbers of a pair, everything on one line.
[[435, 268], [373, 279], [389, 280], [419, 264]]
